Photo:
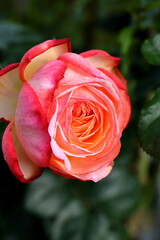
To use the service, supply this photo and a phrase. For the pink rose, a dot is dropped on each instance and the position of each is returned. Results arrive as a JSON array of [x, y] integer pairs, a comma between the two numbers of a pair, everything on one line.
[[66, 111]]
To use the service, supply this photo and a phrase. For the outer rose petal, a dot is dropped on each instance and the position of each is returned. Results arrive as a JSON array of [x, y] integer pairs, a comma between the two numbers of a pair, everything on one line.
[[77, 66], [86, 169], [45, 80], [20, 164], [127, 107], [101, 59], [37, 56], [58, 152], [97, 175], [94, 176], [120, 84], [31, 127], [10, 85]]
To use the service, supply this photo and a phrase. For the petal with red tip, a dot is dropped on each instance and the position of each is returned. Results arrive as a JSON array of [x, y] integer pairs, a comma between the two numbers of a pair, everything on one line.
[[31, 127], [45, 81], [120, 84], [77, 66], [103, 60], [20, 164], [37, 56], [10, 86]]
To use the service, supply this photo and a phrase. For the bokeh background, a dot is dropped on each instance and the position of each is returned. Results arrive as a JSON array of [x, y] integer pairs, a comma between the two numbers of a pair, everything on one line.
[[126, 204]]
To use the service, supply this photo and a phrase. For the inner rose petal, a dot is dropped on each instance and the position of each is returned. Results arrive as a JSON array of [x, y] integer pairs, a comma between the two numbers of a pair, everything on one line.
[[97, 96], [89, 164], [75, 127], [92, 135], [68, 148], [85, 119]]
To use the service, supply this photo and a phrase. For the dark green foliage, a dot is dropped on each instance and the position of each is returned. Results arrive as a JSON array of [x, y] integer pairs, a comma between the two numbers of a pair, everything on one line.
[[149, 126], [84, 210], [151, 50]]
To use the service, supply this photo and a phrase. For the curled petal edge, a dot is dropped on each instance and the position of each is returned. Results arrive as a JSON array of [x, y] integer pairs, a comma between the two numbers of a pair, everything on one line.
[[31, 127], [40, 54], [19, 163], [10, 86]]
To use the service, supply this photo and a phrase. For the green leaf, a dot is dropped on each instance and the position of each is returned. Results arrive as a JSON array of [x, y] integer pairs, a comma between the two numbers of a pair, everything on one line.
[[15, 33], [46, 195], [149, 126], [69, 223], [126, 39], [72, 224], [117, 195], [151, 50], [101, 227], [16, 39]]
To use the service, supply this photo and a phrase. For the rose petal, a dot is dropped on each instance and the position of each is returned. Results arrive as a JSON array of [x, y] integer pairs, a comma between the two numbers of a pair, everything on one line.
[[60, 172], [77, 66], [37, 56], [126, 108], [68, 148], [31, 127], [119, 75], [70, 144], [45, 81], [59, 153], [10, 85], [92, 163], [118, 82], [97, 175], [84, 168], [20, 164], [93, 176], [101, 59]]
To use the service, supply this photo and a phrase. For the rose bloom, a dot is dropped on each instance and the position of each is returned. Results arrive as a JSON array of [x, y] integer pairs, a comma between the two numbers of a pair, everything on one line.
[[66, 111]]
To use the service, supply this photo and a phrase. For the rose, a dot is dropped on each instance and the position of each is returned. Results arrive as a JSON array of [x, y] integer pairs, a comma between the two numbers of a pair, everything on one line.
[[66, 111]]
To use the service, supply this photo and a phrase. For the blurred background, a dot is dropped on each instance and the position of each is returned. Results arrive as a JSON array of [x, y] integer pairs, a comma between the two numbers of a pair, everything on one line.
[[126, 204]]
